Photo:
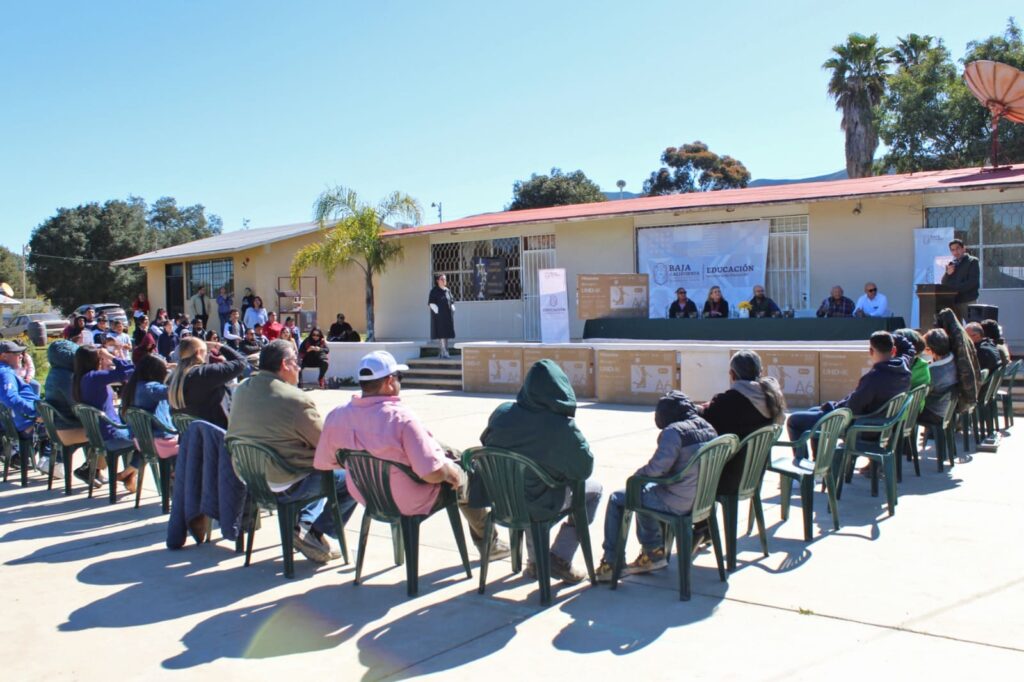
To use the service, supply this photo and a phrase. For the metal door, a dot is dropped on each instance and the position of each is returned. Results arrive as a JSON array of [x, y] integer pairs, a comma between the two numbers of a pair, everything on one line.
[[538, 254]]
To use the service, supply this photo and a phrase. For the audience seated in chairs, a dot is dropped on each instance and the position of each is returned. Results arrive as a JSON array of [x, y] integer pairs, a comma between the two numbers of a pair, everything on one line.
[[378, 422], [942, 370], [683, 432], [146, 389], [540, 425], [269, 408]]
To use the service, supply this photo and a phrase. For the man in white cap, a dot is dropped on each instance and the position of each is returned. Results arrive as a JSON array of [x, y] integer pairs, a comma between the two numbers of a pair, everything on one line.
[[380, 424], [18, 396]]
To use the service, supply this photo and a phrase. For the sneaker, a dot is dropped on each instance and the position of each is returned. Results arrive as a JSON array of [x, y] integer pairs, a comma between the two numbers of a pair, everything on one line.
[[58, 470], [560, 570], [333, 546], [82, 474], [604, 572], [647, 562], [499, 550], [43, 466], [311, 546], [15, 461]]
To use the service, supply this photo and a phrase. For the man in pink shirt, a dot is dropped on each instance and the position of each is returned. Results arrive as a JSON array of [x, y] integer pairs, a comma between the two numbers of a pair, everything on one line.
[[380, 424]]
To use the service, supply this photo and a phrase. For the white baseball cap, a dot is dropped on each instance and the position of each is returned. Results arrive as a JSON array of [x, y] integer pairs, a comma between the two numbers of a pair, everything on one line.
[[379, 364]]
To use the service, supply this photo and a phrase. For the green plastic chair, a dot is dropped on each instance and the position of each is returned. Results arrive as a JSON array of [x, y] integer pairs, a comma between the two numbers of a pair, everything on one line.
[[372, 478], [882, 453], [504, 474], [908, 434], [711, 459], [944, 434], [826, 431], [758, 446], [12, 437], [1005, 394], [250, 461], [988, 410], [969, 414], [58, 450], [91, 419], [181, 421], [140, 423]]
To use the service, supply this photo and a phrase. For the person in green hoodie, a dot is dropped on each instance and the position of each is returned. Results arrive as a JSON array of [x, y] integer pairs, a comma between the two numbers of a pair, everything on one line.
[[540, 425]]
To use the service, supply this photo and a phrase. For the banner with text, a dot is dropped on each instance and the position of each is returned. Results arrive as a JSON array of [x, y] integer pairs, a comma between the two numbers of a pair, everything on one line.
[[733, 256], [554, 306], [931, 253]]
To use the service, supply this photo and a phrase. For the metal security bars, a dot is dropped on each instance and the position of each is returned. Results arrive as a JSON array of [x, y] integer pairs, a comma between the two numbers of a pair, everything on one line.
[[455, 261], [788, 274], [992, 232], [213, 273]]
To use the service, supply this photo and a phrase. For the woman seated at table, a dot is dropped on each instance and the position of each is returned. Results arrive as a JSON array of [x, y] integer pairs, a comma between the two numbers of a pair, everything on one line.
[[715, 306], [146, 390]]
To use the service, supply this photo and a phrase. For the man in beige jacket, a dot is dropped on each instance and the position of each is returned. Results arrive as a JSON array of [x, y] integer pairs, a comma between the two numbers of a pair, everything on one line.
[[270, 409]]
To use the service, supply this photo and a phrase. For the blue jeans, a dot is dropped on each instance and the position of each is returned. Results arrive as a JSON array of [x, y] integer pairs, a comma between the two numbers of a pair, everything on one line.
[[123, 440], [648, 530], [800, 423], [316, 513], [566, 540]]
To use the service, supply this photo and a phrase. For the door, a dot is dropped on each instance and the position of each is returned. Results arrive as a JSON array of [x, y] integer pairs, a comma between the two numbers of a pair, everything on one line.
[[538, 254], [174, 280]]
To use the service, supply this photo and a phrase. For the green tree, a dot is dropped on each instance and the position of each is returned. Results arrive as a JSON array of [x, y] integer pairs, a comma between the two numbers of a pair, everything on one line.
[[352, 233], [174, 225], [557, 189], [694, 168], [857, 85], [11, 271]]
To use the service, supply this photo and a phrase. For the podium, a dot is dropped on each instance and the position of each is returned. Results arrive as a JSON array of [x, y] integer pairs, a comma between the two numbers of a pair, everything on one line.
[[932, 299]]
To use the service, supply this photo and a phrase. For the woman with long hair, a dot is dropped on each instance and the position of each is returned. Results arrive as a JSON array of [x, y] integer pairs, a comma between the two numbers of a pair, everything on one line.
[[74, 328], [257, 314], [198, 387], [752, 402], [716, 305], [146, 390], [140, 305], [313, 353], [95, 371]]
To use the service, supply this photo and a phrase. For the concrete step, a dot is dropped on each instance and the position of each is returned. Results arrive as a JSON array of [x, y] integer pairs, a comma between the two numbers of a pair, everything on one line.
[[449, 384], [449, 363], [434, 351]]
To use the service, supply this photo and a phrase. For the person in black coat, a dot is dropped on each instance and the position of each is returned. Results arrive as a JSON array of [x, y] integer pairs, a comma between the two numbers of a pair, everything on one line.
[[682, 306], [964, 275], [716, 305], [988, 354], [442, 314], [752, 402], [199, 388]]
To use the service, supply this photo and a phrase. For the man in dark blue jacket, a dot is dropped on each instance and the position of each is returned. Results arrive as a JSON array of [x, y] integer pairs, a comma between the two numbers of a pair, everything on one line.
[[889, 376]]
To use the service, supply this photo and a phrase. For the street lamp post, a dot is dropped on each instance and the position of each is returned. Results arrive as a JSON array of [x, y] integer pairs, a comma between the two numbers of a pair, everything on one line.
[[25, 249], [440, 215]]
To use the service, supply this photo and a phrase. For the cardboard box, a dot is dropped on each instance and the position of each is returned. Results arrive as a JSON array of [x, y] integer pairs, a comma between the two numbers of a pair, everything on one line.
[[577, 363], [704, 372], [840, 370], [600, 296], [797, 373], [637, 377], [492, 370]]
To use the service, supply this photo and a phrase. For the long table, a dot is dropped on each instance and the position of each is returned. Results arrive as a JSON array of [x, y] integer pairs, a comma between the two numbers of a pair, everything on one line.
[[763, 329]]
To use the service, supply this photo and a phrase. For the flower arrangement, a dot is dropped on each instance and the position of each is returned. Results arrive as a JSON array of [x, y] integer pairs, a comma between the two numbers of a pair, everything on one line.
[[744, 305]]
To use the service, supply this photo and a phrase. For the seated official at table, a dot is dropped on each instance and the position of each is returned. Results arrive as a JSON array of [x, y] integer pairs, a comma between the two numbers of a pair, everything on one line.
[[682, 306], [762, 306], [715, 306], [871, 303], [836, 305]]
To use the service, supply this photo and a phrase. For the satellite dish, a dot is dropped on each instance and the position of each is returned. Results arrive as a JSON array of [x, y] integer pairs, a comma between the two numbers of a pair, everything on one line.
[[6, 289], [1000, 87]]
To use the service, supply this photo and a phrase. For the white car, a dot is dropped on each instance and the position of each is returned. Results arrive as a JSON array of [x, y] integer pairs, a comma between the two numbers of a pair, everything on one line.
[[36, 326]]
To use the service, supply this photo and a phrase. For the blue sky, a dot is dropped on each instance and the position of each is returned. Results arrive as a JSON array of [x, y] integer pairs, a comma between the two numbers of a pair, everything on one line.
[[253, 108]]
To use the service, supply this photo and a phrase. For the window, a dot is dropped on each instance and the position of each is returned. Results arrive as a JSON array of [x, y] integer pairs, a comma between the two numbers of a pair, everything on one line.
[[992, 232], [786, 276], [456, 261], [213, 273]]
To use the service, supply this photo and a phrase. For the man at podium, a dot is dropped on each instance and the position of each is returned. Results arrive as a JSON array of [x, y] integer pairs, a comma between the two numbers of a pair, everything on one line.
[[963, 275]]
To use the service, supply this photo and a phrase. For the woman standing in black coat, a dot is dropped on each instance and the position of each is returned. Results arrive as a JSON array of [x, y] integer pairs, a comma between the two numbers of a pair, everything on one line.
[[752, 402], [442, 314]]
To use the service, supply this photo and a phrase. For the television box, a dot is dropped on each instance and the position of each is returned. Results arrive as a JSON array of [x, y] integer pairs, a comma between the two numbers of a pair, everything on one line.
[[577, 363], [703, 373], [797, 373], [637, 377], [492, 370], [840, 370]]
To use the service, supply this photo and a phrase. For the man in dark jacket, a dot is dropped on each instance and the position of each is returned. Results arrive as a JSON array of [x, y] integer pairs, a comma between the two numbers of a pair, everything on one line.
[[988, 354], [540, 425], [964, 275], [683, 432], [889, 376]]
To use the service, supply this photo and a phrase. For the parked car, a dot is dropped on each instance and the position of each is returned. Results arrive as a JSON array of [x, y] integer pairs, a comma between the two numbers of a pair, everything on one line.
[[112, 310], [38, 327]]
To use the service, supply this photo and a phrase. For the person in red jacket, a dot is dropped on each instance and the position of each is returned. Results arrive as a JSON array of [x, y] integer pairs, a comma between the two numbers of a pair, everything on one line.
[[272, 329]]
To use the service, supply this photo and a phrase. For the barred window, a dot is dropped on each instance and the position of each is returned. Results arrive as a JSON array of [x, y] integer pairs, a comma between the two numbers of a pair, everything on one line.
[[787, 273], [212, 273], [992, 232], [455, 260]]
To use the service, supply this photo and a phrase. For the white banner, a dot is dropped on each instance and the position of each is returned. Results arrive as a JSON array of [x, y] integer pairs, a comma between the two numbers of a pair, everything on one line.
[[931, 253], [733, 256], [554, 306]]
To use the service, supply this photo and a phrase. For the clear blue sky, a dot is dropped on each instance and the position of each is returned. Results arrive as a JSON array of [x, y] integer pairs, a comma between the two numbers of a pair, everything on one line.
[[253, 108]]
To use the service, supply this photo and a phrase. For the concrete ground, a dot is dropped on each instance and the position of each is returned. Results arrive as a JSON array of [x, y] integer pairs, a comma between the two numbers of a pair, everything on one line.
[[935, 592]]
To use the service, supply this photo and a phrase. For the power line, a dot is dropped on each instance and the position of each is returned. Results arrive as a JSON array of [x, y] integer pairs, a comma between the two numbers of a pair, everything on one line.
[[77, 259]]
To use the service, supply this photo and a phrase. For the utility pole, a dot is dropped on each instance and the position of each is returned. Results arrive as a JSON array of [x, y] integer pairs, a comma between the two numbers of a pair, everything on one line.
[[440, 215], [25, 249]]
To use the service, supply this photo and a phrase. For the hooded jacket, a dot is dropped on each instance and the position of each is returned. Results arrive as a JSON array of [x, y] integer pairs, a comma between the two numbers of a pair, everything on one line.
[[683, 432], [966, 359], [540, 425], [61, 356], [741, 410], [883, 381]]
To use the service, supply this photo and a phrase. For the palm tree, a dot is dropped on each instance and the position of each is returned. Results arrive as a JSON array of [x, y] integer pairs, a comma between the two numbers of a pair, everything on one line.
[[857, 85], [912, 50], [353, 233]]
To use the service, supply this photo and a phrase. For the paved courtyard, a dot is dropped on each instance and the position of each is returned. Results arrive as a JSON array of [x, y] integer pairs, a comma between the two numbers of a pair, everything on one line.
[[936, 592]]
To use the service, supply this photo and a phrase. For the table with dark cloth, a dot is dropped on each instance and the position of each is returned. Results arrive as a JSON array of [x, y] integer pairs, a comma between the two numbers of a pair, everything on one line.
[[736, 329]]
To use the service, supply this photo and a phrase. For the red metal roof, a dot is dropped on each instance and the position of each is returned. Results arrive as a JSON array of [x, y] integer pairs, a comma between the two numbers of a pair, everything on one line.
[[879, 185]]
